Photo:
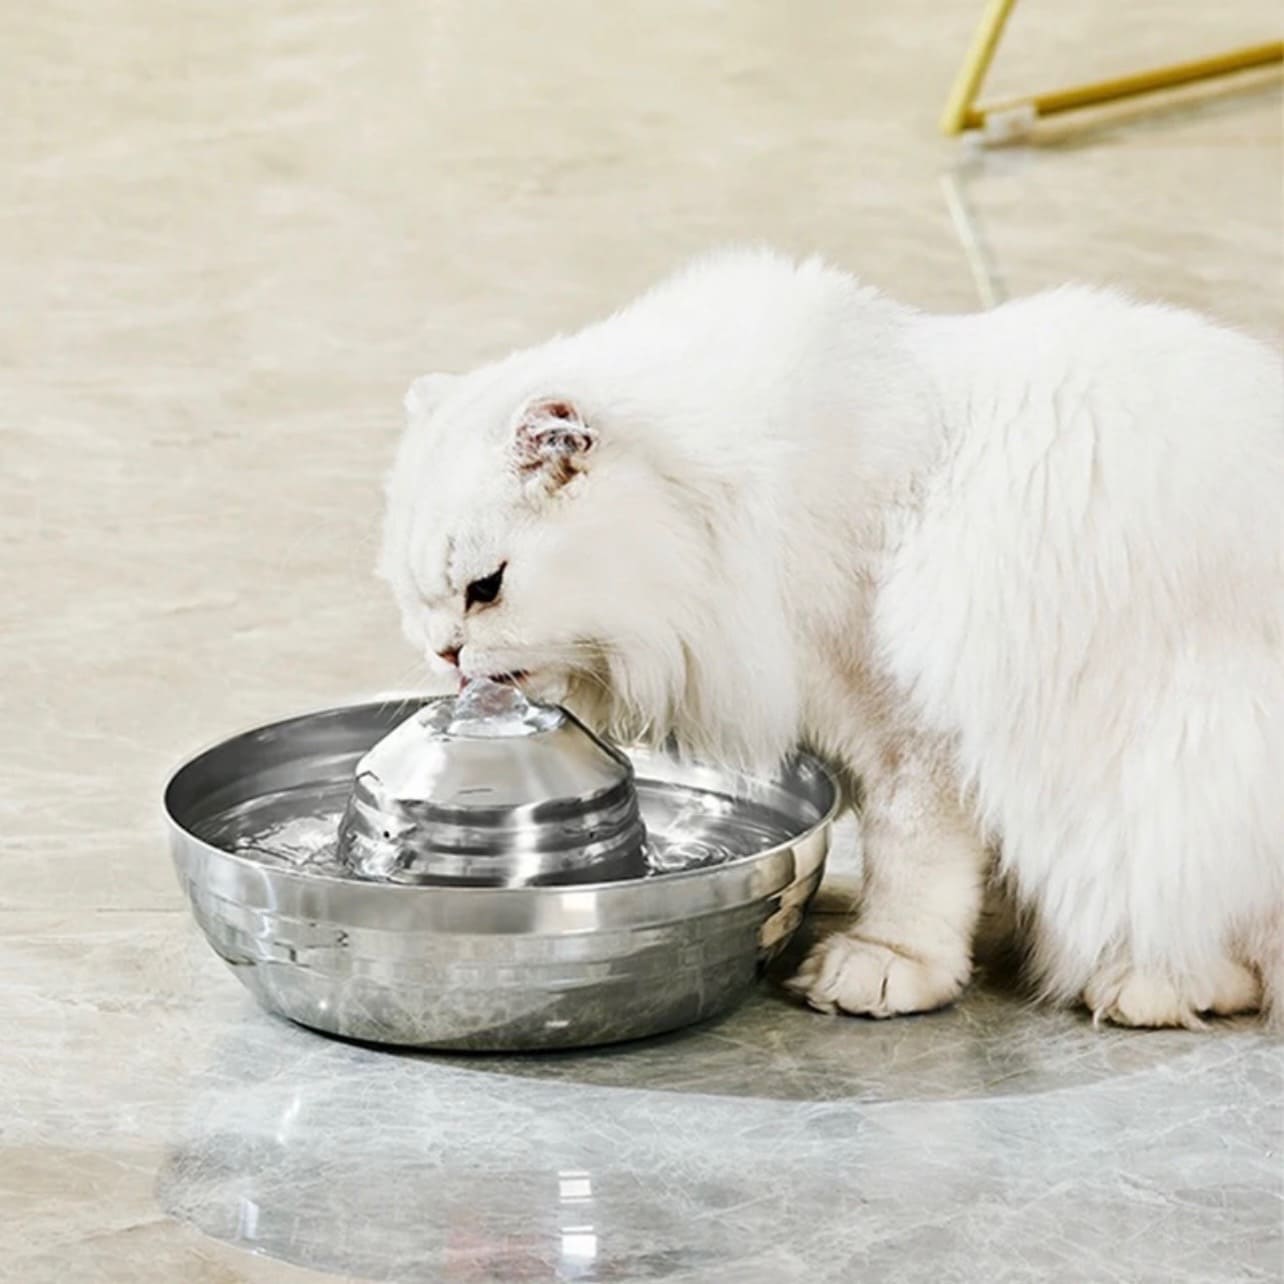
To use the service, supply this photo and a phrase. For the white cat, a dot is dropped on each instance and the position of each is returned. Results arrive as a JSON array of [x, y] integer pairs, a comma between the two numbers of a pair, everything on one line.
[[1022, 573]]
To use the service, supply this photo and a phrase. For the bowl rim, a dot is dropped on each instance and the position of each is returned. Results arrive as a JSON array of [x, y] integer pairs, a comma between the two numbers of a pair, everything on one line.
[[368, 886]]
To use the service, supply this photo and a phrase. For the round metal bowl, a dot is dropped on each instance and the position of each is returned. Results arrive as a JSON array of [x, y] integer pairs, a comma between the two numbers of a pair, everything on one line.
[[479, 968]]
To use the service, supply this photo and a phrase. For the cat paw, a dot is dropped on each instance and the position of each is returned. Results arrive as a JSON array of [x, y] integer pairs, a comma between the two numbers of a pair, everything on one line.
[[867, 978], [1148, 1000]]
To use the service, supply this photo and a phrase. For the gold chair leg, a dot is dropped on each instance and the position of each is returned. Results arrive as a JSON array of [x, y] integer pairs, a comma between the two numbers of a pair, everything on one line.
[[967, 84], [963, 111]]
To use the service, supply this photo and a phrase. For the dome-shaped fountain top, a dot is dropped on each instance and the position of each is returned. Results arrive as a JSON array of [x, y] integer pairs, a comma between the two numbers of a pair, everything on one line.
[[489, 788]]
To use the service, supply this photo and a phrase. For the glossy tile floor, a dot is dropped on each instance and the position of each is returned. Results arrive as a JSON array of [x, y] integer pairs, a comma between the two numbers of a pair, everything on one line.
[[229, 235]]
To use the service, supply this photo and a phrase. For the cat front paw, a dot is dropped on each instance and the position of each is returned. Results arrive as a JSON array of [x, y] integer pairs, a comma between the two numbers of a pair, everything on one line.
[[848, 973]]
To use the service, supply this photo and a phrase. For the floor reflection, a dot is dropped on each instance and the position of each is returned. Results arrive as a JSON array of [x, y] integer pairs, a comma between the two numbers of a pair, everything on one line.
[[346, 1160], [366, 1163]]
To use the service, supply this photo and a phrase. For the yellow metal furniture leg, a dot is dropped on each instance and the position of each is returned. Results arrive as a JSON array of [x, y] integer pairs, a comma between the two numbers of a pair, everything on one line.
[[967, 84], [964, 112]]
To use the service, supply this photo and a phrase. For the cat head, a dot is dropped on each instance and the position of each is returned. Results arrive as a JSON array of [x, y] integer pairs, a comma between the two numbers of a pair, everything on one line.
[[541, 532]]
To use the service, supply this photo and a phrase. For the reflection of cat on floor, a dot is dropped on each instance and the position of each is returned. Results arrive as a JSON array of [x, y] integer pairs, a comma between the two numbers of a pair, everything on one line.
[[1022, 573]]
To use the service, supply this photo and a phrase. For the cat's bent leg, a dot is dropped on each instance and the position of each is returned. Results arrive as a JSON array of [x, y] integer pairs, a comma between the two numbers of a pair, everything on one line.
[[1163, 898], [925, 870], [1126, 995]]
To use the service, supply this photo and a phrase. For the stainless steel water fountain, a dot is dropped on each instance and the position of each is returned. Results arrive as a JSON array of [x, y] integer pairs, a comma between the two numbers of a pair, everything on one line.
[[493, 791], [476, 875]]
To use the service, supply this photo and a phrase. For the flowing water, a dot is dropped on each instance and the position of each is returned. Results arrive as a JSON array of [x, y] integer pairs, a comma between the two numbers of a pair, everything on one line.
[[489, 710]]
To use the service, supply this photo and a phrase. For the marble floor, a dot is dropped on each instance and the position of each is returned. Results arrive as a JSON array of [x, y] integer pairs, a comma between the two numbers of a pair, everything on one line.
[[229, 235]]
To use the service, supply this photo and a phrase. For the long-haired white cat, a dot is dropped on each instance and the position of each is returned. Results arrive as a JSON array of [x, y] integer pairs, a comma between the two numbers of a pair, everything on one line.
[[1022, 573]]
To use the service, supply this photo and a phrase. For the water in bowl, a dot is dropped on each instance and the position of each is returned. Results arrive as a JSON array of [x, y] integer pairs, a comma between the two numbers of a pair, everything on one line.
[[687, 828]]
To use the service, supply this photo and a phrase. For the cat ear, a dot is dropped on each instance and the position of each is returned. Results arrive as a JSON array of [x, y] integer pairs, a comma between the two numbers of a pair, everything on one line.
[[551, 442], [427, 393]]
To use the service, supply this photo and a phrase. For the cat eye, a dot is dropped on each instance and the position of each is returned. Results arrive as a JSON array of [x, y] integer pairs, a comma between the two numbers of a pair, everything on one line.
[[483, 592]]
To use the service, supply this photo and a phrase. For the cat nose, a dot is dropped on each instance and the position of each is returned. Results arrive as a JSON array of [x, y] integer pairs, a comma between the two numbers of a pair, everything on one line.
[[450, 655]]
